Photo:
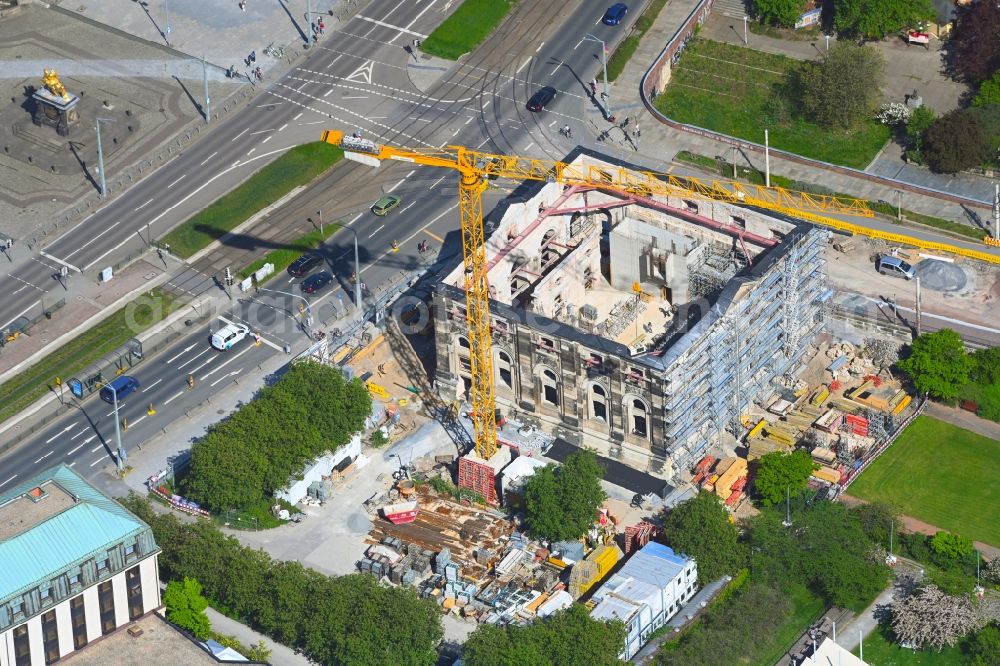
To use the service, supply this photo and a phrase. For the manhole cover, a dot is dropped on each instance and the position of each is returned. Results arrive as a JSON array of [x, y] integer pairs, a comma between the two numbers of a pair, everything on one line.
[[220, 412]]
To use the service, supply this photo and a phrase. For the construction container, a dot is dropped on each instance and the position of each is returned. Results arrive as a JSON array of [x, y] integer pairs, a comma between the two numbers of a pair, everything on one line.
[[598, 564], [827, 474], [830, 421], [823, 455], [756, 429], [723, 487], [820, 396], [903, 404]]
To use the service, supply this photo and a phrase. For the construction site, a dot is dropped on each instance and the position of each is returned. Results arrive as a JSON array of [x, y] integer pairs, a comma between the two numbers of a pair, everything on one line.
[[641, 326]]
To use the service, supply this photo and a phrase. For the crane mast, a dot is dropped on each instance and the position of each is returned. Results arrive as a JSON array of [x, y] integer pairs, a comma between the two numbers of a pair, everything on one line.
[[474, 166]]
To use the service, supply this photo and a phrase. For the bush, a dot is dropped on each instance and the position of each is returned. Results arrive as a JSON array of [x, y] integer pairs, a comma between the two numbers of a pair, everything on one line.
[[782, 13], [186, 607], [331, 619], [842, 89], [950, 550], [244, 459], [954, 142]]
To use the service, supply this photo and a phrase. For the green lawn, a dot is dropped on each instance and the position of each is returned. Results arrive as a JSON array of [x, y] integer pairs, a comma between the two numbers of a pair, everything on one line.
[[940, 474], [881, 651], [740, 92], [466, 28], [284, 256], [806, 609], [86, 348], [296, 167]]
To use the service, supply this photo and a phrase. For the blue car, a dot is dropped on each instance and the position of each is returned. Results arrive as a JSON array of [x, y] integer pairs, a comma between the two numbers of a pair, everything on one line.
[[615, 14]]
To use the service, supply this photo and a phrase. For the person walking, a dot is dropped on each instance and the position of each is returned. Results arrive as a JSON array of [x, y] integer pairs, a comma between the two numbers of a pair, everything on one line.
[[626, 122], [593, 86], [322, 26]]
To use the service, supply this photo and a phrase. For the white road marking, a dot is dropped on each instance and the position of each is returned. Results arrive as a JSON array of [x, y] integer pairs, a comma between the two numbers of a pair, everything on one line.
[[401, 181], [523, 65], [212, 155], [556, 68], [578, 45], [215, 370], [72, 463], [528, 147], [144, 205], [539, 47], [252, 150], [173, 397], [8, 480], [231, 140], [410, 174], [97, 448], [202, 365], [78, 447], [471, 118], [152, 385], [186, 350], [356, 97], [194, 358], [438, 181], [231, 374], [59, 434], [93, 240], [283, 127], [45, 456], [485, 141], [98, 461], [392, 27], [176, 181], [298, 116], [78, 434], [139, 419], [327, 93], [57, 259], [266, 140], [376, 231], [408, 207]]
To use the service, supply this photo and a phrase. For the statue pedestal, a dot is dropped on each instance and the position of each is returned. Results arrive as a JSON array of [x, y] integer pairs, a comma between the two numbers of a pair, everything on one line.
[[56, 112]]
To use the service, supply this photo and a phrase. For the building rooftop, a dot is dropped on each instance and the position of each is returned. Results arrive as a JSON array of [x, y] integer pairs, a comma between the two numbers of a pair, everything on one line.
[[53, 520], [159, 644], [654, 564]]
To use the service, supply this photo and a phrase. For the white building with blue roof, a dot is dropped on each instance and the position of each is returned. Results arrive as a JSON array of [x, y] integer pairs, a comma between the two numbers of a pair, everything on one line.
[[74, 566], [652, 586]]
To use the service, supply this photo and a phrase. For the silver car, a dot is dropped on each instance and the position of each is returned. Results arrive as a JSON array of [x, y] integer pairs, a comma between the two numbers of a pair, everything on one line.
[[894, 266]]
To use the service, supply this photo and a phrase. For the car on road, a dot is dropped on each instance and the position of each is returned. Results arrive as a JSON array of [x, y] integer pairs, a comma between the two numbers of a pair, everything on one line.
[[121, 385], [386, 204], [615, 14], [888, 265], [227, 336], [541, 99], [305, 265], [316, 282]]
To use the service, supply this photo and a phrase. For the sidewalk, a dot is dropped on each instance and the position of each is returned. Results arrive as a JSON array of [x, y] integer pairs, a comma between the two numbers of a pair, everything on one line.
[[664, 142], [281, 655]]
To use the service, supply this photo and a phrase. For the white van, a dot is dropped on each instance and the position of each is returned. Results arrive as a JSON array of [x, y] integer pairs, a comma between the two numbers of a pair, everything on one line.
[[229, 335]]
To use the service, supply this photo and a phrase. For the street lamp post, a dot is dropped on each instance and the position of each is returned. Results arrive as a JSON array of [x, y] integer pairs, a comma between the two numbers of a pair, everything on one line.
[[746, 42], [604, 64], [121, 455], [208, 100], [320, 213], [827, 42], [166, 10], [100, 155], [308, 309], [357, 264]]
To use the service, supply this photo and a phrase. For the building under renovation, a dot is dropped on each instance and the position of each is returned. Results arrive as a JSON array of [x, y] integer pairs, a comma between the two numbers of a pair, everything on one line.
[[639, 326]]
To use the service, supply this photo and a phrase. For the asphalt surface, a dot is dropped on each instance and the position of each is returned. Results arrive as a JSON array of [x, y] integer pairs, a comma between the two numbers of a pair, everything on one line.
[[615, 472], [355, 80]]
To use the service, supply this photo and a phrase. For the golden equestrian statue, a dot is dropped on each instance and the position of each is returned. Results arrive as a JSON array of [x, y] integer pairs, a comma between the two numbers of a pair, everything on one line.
[[54, 85]]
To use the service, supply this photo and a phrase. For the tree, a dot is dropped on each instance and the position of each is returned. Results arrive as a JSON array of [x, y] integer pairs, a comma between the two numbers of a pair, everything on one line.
[[989, 91], [701, 528], [843, 88], [561, 501], [954, 142], [569, 636], [991, 572], [186, 607], [921, 118], [938, 364], [929, 618], [778, 473], [950, 549], [783, 13], [877, 520], [986, 365], [984, 647], [874, 19], [974, 45]]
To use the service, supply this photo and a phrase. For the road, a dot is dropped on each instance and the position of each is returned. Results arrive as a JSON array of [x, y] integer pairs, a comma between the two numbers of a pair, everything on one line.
[[358, 79]]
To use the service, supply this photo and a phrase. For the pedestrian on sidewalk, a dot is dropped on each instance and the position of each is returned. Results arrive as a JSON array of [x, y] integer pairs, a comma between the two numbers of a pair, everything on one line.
[[593, 87], [626, 122], [243, 5], [322, 26]]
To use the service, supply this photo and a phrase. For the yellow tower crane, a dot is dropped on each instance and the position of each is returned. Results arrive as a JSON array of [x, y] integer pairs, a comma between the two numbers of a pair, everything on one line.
[[474, 167]]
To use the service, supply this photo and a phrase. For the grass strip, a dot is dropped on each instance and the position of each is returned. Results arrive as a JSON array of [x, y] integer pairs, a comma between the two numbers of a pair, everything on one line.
[[88, 347], [806, 609], [740, 92], [725, 169], [296, 167], [626, 49], [466, 28], [282, 257]]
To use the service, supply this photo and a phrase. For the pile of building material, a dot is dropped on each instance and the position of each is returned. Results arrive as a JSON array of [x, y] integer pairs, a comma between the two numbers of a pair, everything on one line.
[[472, 535], [593, 568], [726, 477]]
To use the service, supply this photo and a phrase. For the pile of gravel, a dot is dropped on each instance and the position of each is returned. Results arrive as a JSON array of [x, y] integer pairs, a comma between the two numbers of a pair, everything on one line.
[[940, 275]]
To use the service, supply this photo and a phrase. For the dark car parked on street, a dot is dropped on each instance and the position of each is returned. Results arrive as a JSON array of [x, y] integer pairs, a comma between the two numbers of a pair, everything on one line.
[[316, 282], [541, 98], [305, 265]]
